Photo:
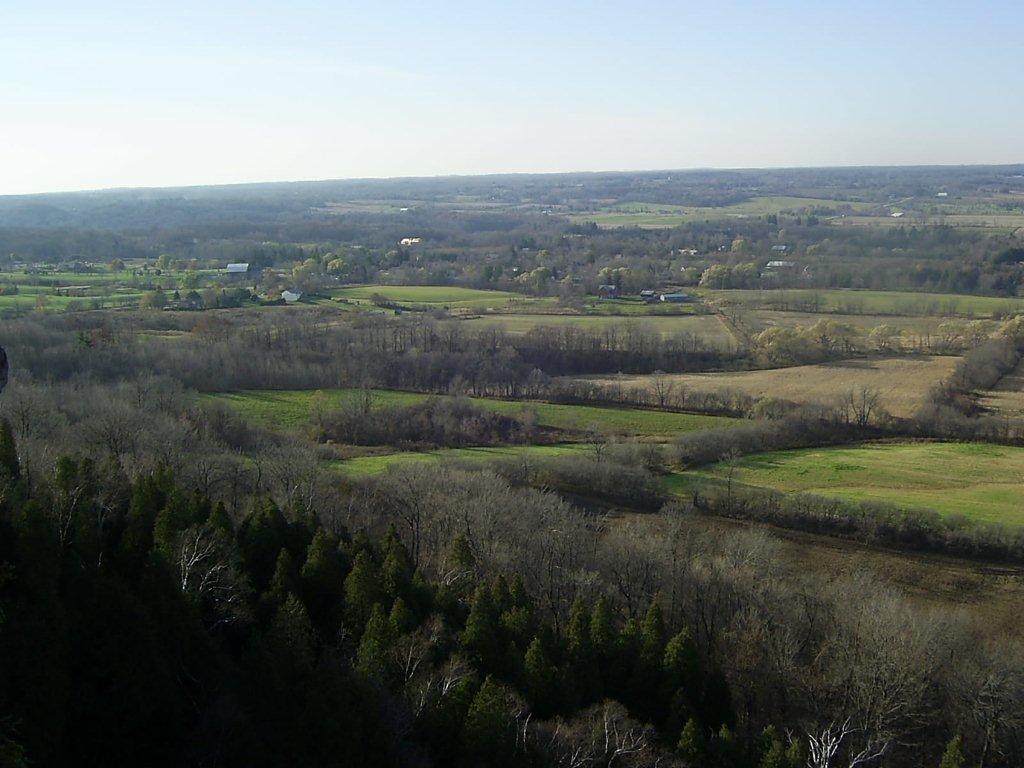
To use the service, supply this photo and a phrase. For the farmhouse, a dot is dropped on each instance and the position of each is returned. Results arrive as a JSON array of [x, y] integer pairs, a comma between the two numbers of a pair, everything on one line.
[[410, 240], [239, 268], [608, 291], [780, 265], [780, 248]]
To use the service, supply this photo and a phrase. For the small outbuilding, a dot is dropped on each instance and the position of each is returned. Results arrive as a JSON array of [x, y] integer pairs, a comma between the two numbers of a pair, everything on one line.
[[675, 298]]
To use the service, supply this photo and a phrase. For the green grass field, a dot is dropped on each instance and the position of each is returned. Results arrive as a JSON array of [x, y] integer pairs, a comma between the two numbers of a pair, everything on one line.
[[371, 465], [658, 215], [866, 302], [434, 295], [293, 409], [980, 481]]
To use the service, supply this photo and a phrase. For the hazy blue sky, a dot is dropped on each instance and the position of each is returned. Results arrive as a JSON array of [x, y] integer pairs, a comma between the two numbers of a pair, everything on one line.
[[101, 93]]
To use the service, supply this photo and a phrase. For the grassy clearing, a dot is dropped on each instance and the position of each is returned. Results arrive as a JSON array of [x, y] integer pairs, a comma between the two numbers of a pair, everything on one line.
[[434, 295], [293, 409], [866, 302], [978, 480], [902, 382], [708, 328], [659, 215], [371, 465]]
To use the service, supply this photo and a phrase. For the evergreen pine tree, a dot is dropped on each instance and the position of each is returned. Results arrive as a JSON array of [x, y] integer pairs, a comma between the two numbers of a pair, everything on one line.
[[500, 594], [681, 683], [518, 624], [580, 650], [375, 644], [578, 633], [396, 570], [690, 746], [284, 581], [602, 630], [362, 589], [652, 635], [461, 557], [148, 497], [177, 514], [953, 757], [796, 754], [773, 752], [261, 537], [681, 662], [402, 619], [488, 733], [482, 637], [518, 594], [540, 679], [220, 520], [292, 636], [321, 582]]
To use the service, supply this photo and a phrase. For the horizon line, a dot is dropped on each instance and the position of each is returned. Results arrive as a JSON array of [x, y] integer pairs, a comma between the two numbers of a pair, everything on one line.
[[501, 174]]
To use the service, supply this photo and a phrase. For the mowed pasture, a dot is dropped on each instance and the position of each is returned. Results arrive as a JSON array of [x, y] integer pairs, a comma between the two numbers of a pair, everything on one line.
[[362, 466], [709, 329], [907, 303], [294, 409], [902, 382], [438, 296], [980, 481]]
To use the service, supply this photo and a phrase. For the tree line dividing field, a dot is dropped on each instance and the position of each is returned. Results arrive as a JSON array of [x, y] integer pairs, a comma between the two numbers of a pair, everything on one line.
[[296, 409], [897, 303]]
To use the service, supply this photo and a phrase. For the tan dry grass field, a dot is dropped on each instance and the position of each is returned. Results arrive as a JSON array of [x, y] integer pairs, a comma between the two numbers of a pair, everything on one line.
[[902, 382], [708, 328]]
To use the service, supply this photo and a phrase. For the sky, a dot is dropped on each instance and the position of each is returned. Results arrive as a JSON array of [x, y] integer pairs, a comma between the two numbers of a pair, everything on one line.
[[110, 94]]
